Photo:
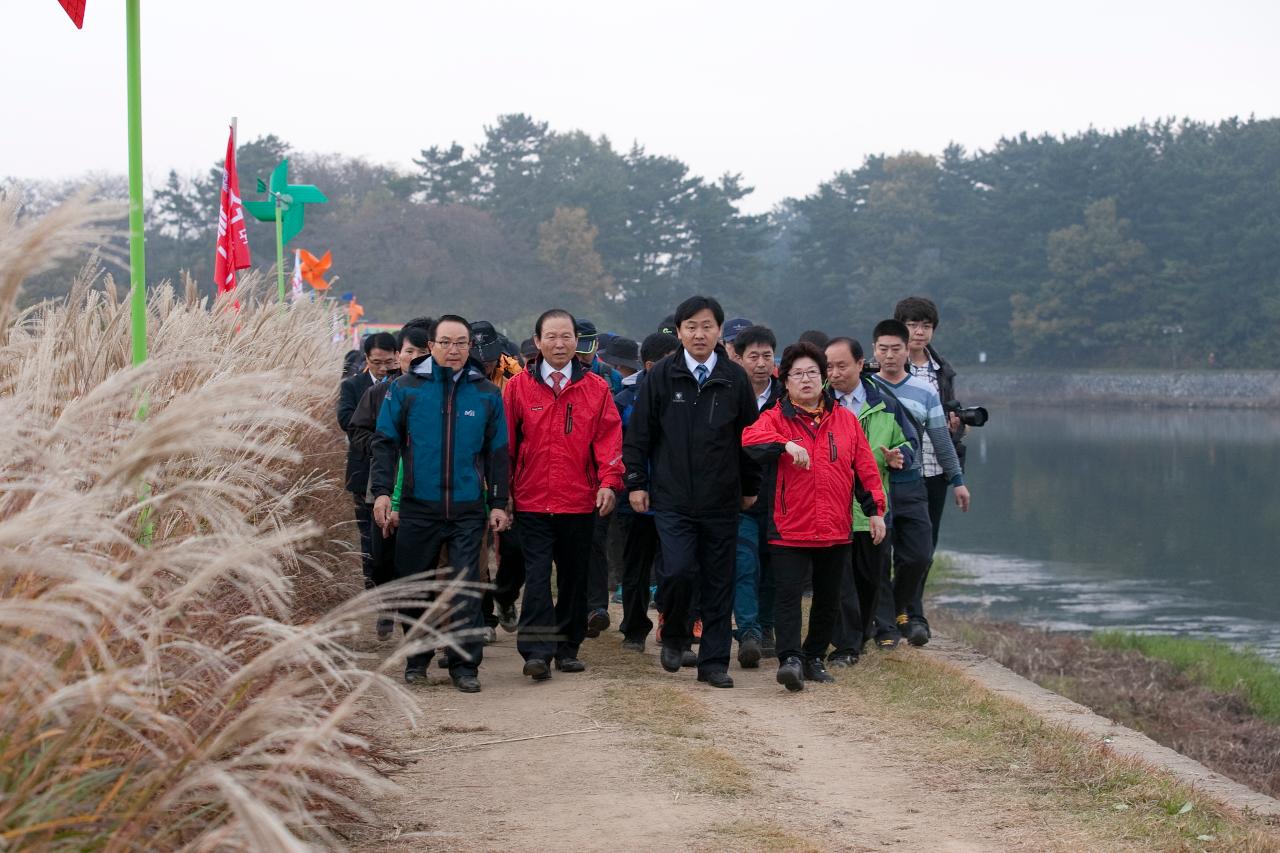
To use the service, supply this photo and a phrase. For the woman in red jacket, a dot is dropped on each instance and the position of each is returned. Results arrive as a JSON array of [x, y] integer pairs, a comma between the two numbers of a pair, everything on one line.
[[817, 448]]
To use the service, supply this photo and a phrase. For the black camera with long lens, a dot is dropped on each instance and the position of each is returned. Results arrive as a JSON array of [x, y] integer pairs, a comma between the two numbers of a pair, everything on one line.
[[870, 366], [974, 416]]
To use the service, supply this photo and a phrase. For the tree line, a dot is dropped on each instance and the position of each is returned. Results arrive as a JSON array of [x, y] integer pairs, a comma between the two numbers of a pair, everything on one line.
[[1154, 245]]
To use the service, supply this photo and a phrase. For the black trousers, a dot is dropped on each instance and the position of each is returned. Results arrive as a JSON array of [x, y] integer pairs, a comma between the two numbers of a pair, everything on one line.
[[364, 523], [699, 555], [912, 538], [554, 629], [792, 569], [936, 487], [418, 543], [859, 594], [598, 573], [508, 578], [382, 556], [641, 554]]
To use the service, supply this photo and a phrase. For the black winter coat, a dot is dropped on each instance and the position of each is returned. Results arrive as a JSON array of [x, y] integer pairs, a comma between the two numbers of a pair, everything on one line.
[[684, 443], [349, 394]]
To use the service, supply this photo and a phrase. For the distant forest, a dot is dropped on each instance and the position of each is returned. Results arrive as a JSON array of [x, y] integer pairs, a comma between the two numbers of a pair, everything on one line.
[[1155, 245]]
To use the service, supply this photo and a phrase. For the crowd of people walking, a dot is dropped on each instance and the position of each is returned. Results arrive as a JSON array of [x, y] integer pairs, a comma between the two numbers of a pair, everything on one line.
[[696, 467]]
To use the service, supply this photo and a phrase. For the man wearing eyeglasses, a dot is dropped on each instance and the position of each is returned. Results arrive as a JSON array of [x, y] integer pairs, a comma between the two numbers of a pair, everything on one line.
[[446, 422], [379, 358]]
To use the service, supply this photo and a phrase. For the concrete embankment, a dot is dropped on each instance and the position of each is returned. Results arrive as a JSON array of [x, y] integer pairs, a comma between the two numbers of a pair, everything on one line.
[[1236, 389]]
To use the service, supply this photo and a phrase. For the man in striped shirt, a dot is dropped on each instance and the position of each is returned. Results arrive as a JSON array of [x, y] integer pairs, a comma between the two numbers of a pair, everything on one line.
[[913, 531]]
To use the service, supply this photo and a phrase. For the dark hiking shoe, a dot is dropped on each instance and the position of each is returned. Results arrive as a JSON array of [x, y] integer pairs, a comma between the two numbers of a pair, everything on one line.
[[749, 652], [917, 633], [768, 648], [816, 670], [887, 642], [597, 621], [466, 683], [719, 678], [842, 661], [791, 675], [633, 645], [570, 665], [386, 627], [672, 659], [688, 658], [490, 636], [415, 674], [537, 669], [507, 618]]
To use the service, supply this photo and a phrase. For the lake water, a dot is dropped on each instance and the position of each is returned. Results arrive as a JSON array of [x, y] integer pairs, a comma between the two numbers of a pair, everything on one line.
[[1148, 520]]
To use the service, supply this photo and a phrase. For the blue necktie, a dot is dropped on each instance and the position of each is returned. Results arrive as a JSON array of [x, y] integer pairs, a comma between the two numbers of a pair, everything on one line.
[[702, 374]]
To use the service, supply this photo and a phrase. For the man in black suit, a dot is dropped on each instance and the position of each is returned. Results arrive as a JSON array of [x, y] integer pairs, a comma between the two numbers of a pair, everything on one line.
[[379, 357]]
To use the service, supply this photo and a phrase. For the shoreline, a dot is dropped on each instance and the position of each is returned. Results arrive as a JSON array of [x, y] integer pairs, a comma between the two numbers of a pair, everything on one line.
[[1120, 388]]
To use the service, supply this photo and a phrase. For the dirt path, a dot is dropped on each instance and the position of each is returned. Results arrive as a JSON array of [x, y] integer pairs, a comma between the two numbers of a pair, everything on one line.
[[639, 759]]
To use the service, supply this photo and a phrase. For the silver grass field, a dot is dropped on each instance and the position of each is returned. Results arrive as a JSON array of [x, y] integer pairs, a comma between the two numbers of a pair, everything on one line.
[[178, 615]]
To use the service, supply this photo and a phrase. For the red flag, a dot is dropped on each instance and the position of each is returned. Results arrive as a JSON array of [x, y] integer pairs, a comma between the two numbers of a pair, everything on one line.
[[233, 240], [74, 8]]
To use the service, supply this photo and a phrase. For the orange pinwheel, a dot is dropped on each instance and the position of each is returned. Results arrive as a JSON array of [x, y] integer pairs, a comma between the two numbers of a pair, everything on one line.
[[313, 268], [354, 311]]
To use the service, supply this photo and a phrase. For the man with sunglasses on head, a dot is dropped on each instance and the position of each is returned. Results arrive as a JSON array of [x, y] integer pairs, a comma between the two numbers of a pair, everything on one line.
[[446, 422]]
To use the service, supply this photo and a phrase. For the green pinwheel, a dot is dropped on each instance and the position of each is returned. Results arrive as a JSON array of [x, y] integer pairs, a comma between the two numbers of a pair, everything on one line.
[[286, 204]]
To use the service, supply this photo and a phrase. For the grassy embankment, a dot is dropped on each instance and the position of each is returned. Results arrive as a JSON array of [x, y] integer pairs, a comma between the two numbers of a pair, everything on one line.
[[1215, 703], [175, 607]]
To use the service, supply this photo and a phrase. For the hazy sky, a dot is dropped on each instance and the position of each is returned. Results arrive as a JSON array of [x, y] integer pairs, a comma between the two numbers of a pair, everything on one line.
[[785, 92]]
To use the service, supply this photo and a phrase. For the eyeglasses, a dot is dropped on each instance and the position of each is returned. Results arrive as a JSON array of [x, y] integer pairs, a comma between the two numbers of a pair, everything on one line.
[[805, 374], [381, 362], [453, 345], [921, 325]]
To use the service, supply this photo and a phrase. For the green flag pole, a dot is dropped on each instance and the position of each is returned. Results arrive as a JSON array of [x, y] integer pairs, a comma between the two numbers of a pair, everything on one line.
[[280, 247], [137, 249]]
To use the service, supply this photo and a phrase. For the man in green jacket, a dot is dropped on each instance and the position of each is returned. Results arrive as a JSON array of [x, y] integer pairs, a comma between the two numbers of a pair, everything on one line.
[[859, 590]]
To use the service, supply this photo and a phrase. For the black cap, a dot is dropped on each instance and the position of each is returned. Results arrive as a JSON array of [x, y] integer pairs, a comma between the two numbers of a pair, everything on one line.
[[528, 349], [668, 325], [735, 327], [622, 352], [588, 338], [486, 343]]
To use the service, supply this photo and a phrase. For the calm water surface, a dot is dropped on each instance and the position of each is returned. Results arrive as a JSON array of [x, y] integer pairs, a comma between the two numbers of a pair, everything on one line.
[[1148, 520]]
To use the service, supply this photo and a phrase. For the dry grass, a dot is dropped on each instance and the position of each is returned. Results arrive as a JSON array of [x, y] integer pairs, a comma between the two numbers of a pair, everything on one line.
[[755, 835], [1086, 794], [669, 719], [192, 688]]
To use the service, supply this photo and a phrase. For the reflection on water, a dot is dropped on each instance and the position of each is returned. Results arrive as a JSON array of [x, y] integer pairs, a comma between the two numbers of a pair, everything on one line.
[[1146, 520]]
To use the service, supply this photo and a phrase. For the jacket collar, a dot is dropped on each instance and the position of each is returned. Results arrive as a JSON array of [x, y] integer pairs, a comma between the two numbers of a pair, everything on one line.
[[425, 367]]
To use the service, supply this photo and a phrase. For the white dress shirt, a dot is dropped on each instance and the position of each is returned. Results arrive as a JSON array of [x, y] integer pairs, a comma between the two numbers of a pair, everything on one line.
[[566, 372], [692, 363]]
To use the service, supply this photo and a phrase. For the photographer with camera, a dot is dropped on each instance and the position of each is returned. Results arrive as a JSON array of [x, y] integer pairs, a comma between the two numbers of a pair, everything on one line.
[[920, 316]]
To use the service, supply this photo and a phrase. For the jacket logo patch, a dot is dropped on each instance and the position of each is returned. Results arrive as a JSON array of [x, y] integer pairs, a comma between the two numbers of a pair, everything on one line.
[[537, 408], [469, 413], [679, 398]]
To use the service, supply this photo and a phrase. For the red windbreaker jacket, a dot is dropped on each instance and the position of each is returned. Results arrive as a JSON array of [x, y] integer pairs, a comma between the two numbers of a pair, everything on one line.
[[563, 449], [814, 508]]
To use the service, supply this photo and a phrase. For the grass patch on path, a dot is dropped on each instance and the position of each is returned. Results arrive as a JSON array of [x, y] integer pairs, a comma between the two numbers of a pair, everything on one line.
[[669, 719], [1085, 792], [759, 835], [1209, 663]]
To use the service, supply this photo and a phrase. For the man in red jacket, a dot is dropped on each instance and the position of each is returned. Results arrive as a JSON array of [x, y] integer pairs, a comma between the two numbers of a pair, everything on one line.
[[566, 464]]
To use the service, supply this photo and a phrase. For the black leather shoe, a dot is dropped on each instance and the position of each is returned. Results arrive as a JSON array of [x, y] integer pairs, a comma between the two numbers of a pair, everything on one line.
[[791, 675], [537, 669], [415, 675], [749, 653], [716, 679], [816, 670], [671, 659], [688, 658], [570, 665], [466, 683], [917, 633]]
